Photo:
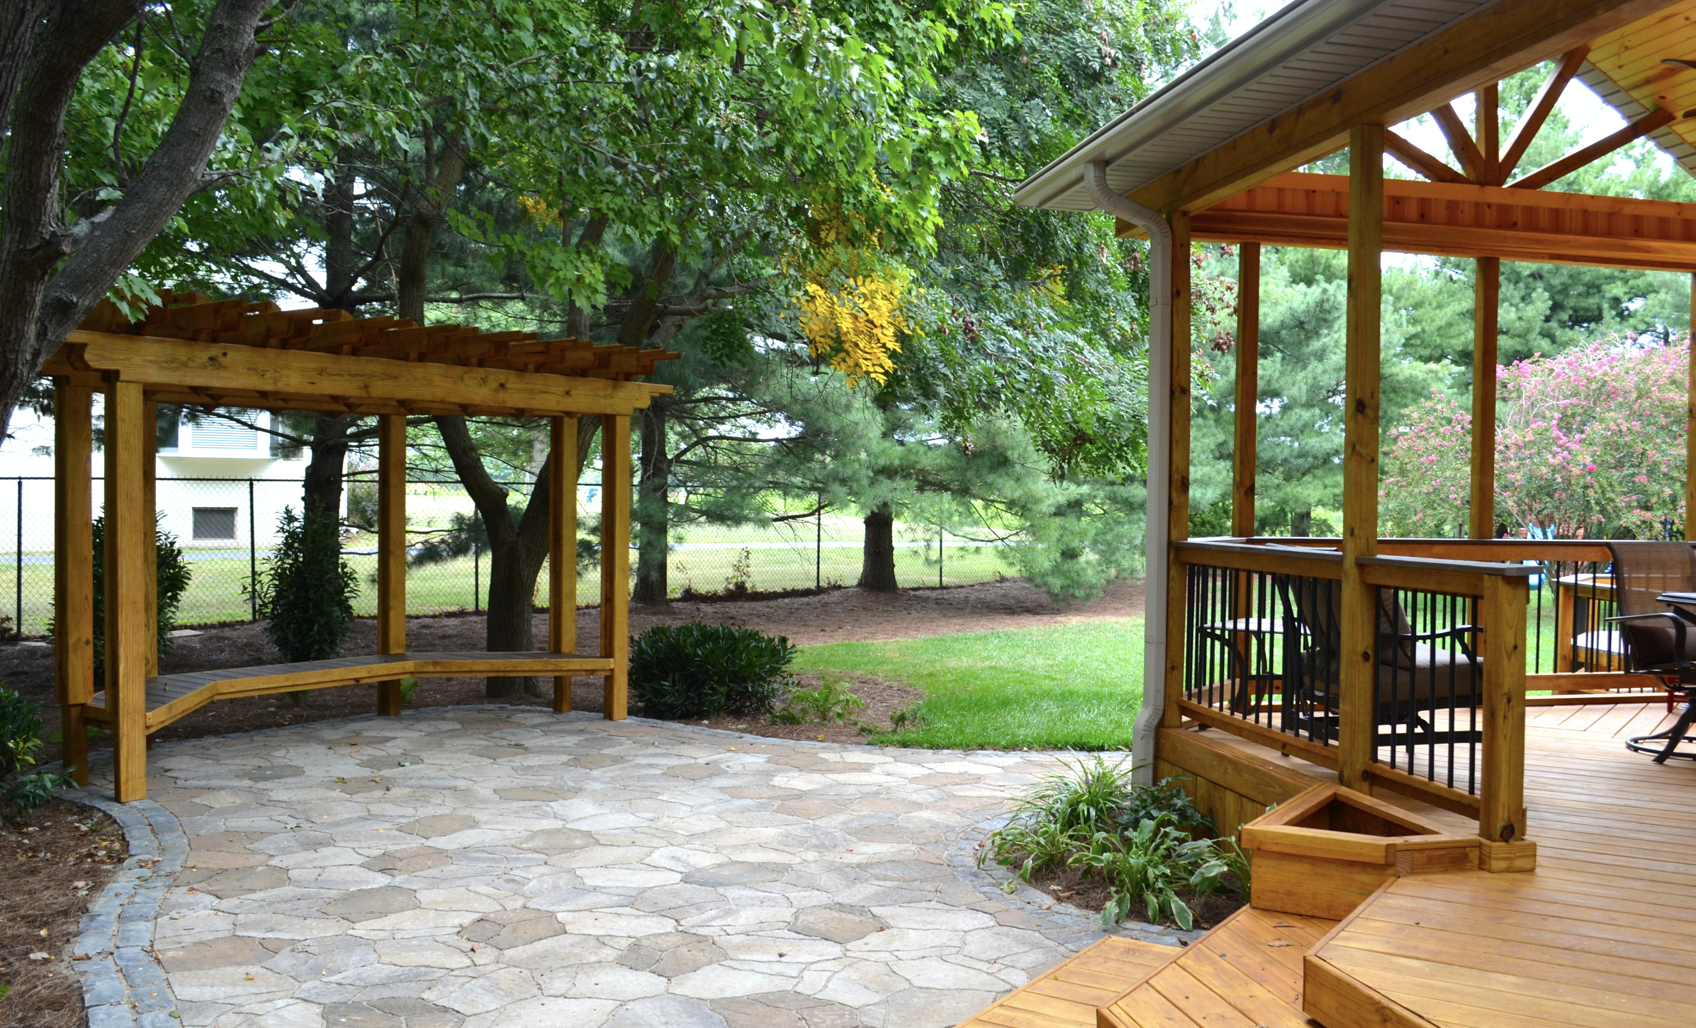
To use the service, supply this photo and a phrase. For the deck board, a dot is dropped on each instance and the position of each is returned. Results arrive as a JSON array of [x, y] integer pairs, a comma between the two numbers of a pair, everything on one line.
[[1601, 934], [1068, 995]]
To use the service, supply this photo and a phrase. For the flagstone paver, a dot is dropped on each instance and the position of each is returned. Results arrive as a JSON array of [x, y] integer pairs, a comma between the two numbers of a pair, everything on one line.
[[494, 866]]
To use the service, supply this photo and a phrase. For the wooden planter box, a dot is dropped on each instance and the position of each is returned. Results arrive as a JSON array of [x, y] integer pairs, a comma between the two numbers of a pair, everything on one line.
[[1326, 850]]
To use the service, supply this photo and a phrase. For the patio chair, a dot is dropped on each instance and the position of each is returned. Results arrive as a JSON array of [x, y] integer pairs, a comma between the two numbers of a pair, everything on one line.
[[1658, 641], [1415, 678]]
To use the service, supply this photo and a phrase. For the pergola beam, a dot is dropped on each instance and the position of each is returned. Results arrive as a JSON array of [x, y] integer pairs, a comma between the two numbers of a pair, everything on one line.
[[1460, 141], [172, 364]]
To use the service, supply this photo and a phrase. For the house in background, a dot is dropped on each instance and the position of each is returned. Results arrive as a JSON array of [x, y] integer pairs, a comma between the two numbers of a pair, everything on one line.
[[221, 486]]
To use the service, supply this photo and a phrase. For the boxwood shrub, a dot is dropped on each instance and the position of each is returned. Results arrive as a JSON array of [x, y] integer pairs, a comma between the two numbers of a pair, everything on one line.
[[697, 670]]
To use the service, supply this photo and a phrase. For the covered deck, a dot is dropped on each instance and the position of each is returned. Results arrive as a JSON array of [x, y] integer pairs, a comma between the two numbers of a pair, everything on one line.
[[1472, 685]]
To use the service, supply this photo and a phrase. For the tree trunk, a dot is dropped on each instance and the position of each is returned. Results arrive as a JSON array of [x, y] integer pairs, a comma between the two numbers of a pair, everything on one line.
[[51, 276], [322, 486], [1301, 524], [651, 513], [439, 186], [877, 567]]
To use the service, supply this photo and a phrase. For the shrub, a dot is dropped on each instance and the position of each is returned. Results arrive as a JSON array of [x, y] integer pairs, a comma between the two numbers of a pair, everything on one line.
[[697, 670], [1142, 840], [20, 738], [829, 702], [171, 578], [307, 589]]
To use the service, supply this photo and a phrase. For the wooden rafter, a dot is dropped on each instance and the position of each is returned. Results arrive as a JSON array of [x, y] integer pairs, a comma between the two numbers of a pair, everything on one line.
[[1541, 108], [1460, 141], [1600, 148], [1487, 130], [1419, 160]]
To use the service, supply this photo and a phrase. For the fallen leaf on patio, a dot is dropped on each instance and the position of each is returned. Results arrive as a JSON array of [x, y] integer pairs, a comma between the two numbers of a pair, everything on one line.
[[1282, 924], [1278, 942]]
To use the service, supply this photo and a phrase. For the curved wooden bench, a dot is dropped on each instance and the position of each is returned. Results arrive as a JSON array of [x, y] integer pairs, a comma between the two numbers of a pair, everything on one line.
[[170, 697]]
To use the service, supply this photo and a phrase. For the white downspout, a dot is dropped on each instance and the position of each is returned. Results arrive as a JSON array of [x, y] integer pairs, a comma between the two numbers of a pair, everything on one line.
[[1160, 350]]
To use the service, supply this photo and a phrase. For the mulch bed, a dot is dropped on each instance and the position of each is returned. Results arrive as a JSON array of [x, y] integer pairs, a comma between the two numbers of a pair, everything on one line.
[[1068, 885], [54, 861]]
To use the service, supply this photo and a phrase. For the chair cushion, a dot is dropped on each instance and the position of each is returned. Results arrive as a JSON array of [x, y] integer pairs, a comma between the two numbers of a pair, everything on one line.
[[1436, 676], [1654, 643]]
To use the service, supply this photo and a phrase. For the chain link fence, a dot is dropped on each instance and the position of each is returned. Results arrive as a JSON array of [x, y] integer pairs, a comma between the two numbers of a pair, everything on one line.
[[226, 528]]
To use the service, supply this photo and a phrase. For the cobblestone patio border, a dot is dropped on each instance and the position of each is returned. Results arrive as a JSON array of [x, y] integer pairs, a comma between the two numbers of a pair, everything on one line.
[[123, 985]]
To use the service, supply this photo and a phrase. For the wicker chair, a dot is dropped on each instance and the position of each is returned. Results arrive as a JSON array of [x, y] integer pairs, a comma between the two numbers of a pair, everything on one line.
[[1657, 640]]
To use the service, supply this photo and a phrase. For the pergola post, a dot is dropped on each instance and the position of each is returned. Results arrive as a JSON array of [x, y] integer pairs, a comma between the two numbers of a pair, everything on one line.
[[1486, 305], [615, 562], [1178, 502], [73, 568], [128, 540], [562, 548], [1248, 389], [391, 550], [1358, 684], [150, 507]]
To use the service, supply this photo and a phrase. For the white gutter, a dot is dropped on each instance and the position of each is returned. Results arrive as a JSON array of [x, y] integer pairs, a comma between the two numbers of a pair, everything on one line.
[[1297, 28], [1160, 351]]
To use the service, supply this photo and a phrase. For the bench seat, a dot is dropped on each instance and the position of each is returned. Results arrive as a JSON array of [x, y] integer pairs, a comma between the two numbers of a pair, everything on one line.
[[170, 697]]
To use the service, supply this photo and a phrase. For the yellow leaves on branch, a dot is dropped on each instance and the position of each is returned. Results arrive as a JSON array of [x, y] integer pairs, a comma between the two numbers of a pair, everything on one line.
[[858, 326], [539, 211]]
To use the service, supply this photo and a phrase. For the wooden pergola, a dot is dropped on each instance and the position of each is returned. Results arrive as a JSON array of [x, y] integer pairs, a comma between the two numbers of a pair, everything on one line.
[[197, 351]]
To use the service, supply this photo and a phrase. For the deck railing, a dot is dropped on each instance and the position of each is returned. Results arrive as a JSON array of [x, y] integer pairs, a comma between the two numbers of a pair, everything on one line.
[[1442, 684]]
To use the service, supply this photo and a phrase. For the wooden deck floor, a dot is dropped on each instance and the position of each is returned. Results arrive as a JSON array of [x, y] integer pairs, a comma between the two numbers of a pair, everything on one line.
[[1602, 934]]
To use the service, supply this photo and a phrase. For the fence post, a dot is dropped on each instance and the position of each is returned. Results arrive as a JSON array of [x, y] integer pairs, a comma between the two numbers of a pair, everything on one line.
[[18, 625], [818, 546], [252, 555], [476, 577]]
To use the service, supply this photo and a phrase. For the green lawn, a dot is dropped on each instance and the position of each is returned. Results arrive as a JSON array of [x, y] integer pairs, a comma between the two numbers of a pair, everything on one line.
[[1066, 687]]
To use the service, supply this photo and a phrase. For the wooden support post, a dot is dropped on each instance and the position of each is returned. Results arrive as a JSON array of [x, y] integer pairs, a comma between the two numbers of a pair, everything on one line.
[[1178, 507], [1486, 304], [391, 550], [1501, 792], [562, 549], [150, 508], [615, 562], [1248, 389], [73, 569], [1487, 129], [1358, 684], [129, 541], [1690, 425]]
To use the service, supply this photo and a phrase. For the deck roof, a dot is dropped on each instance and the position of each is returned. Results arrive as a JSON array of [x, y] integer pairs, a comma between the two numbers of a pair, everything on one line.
[[1284, 65]]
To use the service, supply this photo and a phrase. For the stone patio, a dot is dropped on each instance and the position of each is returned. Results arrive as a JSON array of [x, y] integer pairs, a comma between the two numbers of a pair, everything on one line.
[[474, 867]]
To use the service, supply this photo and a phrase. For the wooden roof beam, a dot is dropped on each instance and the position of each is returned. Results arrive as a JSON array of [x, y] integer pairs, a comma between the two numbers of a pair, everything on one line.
[[1460, 141], [1420, 161], [1600, 148], [1540, 109]]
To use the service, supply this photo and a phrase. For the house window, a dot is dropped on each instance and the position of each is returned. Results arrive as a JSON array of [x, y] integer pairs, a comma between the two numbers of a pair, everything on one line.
[[214, 522], [218, 434]]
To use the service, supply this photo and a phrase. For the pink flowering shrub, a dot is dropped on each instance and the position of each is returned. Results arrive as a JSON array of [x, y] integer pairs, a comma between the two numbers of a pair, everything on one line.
[[1587, 442]]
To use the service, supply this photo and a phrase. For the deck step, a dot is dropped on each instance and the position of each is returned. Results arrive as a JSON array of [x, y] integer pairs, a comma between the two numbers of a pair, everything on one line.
[[1246, 971], [1068, 995]]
